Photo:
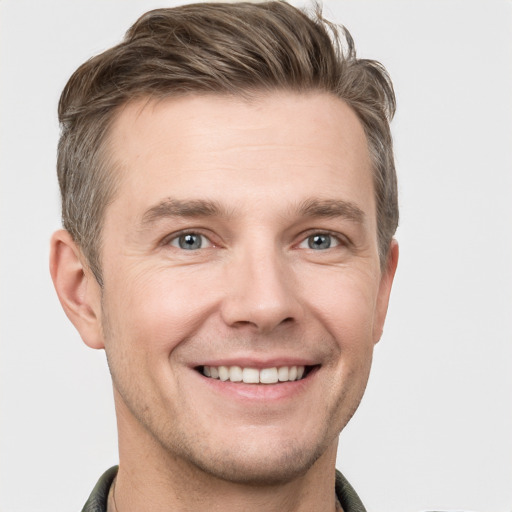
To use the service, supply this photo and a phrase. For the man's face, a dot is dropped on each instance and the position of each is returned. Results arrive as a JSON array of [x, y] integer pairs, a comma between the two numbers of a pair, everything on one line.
[[241, 242]]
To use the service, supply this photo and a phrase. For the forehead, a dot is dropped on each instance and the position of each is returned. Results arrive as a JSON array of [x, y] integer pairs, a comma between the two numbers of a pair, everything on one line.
[[284, 146]]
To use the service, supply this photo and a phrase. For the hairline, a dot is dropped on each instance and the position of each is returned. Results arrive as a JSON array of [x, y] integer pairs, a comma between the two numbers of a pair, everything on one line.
[[110, 165]]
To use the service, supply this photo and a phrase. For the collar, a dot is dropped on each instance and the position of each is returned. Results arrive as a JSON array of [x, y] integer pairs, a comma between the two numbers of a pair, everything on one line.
[[97, 501]]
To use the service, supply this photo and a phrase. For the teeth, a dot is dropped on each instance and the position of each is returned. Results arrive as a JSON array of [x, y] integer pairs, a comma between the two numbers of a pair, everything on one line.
[[235, 374], [282, 373], [253, 375], [268, 376], [223, 373]]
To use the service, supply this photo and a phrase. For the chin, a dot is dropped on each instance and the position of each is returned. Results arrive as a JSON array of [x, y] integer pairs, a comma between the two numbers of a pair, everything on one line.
[[256, 466]]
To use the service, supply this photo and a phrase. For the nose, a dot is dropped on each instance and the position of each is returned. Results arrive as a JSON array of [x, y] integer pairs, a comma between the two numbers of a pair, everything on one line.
[[260, 292]]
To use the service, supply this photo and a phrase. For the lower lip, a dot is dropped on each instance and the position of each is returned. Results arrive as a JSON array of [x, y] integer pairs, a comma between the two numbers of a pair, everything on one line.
[[260, 392]]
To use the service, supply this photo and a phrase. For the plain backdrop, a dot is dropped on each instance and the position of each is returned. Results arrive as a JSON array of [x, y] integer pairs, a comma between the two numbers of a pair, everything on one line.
[[434, 431]]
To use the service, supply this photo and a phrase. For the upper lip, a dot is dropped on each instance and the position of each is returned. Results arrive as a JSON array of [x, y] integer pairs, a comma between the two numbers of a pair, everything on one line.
[[259, 363]]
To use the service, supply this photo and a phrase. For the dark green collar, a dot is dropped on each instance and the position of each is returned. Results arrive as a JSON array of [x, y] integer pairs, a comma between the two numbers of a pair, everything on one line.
[[347, 496], [97, 501]]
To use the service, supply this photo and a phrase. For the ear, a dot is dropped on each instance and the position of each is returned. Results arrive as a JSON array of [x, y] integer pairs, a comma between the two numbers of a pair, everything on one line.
[[78, 291], [386, 281]]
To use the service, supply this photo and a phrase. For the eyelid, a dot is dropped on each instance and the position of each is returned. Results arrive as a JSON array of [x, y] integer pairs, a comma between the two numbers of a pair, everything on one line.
[[166, 241], [340, 239]]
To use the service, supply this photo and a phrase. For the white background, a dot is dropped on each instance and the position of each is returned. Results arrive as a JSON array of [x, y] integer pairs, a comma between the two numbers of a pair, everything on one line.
[[434, 431]]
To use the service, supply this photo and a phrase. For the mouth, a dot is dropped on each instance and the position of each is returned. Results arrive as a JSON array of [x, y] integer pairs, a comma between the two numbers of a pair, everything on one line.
[[247, 375]]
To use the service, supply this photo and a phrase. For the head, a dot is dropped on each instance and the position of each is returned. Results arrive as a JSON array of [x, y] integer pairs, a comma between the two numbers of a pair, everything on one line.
[[230, 197], [238, 50]]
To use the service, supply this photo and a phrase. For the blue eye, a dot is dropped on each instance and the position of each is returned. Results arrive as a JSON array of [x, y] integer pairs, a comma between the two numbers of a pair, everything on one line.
[[190, 241], [320, 241]]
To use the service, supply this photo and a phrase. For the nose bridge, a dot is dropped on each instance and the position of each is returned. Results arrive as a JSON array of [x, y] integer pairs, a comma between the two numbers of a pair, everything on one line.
[[260, 288]]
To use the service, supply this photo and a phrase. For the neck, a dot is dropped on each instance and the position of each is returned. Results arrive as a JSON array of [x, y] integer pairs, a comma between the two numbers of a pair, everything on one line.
[[149, 478], [159, 492]]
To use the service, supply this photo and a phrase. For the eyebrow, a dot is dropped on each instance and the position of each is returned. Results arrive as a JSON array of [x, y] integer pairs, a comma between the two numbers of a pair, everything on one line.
[[331, 208], [313, 207], [178, 208]]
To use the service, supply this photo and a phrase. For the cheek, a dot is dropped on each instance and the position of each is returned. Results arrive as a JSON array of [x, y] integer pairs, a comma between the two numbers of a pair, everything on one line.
[[344, 302], [157, 310]]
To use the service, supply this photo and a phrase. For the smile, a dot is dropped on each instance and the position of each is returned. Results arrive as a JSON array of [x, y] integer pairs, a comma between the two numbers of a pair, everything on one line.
[[272, 375]]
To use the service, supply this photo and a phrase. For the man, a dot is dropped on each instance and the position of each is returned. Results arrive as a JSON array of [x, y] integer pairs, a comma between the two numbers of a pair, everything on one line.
[[229, 205]]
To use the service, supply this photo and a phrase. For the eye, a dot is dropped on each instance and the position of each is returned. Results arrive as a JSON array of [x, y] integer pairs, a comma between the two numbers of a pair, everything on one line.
[[190, 241], [320, 241]]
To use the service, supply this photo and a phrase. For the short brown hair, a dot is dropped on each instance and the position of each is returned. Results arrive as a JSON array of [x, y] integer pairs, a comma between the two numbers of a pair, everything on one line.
[[235, 49]]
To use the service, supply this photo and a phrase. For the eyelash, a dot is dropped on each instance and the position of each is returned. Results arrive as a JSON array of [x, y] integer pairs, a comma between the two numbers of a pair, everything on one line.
[[175, 237], [340, 241]]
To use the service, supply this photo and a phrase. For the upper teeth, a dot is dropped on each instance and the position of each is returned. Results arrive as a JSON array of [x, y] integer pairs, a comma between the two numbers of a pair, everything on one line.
[[254, 375]]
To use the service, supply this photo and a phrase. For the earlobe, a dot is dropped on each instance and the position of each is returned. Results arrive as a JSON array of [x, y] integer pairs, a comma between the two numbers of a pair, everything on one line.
[[77, 289], [384, 292]]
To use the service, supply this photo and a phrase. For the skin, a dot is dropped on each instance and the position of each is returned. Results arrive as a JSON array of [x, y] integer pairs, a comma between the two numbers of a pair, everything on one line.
[[237, 174]]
